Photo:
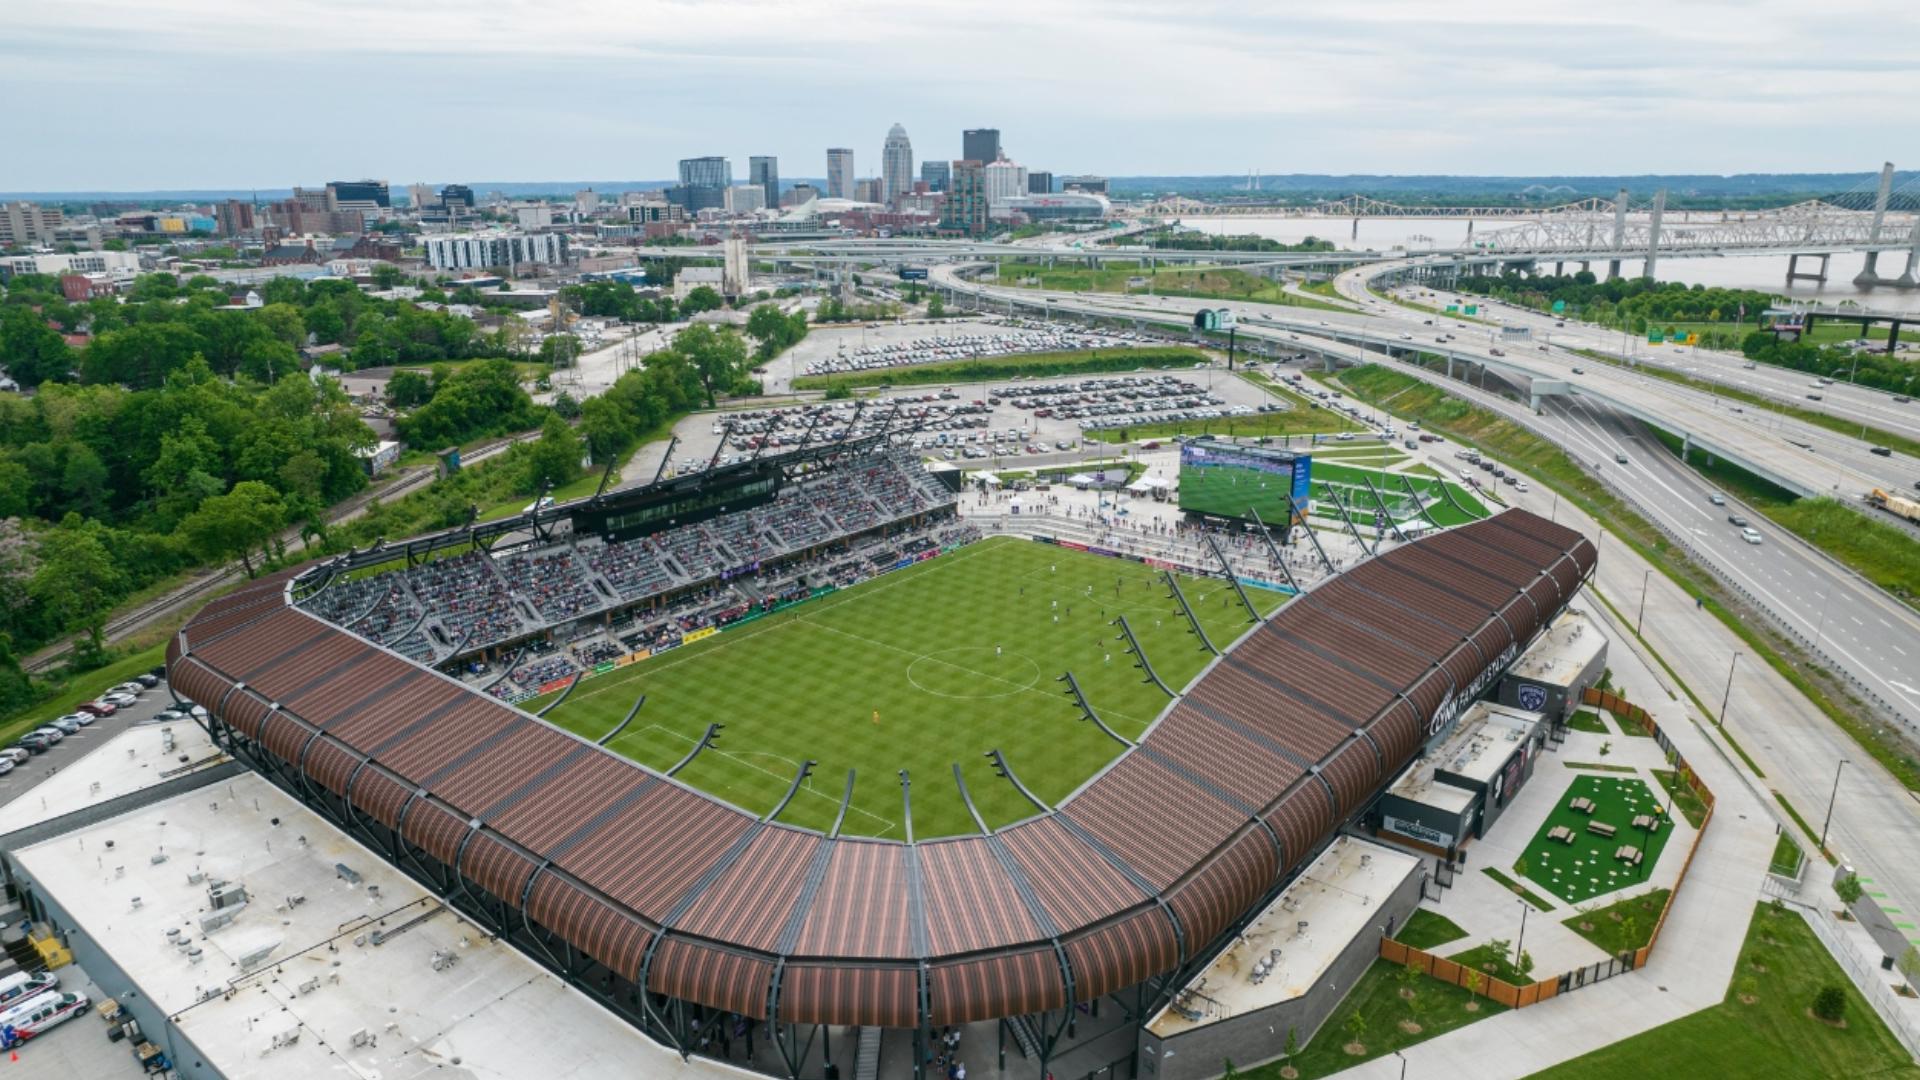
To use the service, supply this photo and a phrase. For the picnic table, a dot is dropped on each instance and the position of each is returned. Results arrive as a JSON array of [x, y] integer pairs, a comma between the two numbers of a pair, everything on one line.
[[1629, 854], [1648, 822], [1600, 828], [1560, 833], [1582, 805]]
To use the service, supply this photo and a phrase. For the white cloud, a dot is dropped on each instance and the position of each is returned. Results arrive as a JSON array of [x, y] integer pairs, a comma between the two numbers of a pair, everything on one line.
[[163, 93]]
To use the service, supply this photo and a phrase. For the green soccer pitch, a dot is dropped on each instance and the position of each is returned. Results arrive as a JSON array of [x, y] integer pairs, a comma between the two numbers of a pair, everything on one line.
[[957, 655]]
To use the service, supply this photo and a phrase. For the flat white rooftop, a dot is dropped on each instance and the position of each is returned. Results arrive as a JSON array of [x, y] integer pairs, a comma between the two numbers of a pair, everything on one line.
[[1564, 651], [131, 761], [436, 999], [1290, 944], [1486, 736]]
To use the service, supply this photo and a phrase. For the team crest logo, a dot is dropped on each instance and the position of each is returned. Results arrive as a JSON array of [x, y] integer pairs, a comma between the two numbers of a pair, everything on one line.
[[1532, 698]]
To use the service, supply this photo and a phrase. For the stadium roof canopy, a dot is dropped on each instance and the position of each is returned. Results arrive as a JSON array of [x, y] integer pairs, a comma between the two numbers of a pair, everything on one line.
[[1240, 782]]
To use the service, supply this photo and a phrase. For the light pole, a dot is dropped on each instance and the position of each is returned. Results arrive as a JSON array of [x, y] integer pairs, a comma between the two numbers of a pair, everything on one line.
[[1641, 619], [1403, 1064], [1728, 695], [1522, 940], [1830, 799]]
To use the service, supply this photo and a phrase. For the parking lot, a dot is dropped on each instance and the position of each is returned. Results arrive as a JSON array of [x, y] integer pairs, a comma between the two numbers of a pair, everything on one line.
[[830, 348], [23, 775]]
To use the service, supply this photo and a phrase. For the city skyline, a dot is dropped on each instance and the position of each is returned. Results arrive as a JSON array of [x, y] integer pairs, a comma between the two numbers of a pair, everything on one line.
[[1575, 91]]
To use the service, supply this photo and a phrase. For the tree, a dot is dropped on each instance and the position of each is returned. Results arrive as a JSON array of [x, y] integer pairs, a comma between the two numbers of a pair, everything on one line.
[[1830, 1004], [936, 307], [284, 322], [555, 457], [1525, 966], [566, 406], [1356, 1028], [31, 351], [701, 298], [1473, 980], [76, 582], [387, 275], [235, 523], [718, 357], [560, 350], [407, 388], [1292, 1047], [1848, 889]]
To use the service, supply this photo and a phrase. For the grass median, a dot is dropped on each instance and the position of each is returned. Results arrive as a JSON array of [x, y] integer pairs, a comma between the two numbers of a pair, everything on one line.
[[1027, 366]]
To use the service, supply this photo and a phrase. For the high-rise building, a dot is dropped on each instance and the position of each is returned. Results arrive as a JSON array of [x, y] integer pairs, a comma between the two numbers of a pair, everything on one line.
[[483, 252], [586, 202], [839, 173], [419, 196], [362, 195], [981, 145], [966, 207], [706, 172], [234, 216], [456, 195], [935, 174], [800, 195], [1004, 179], [1092, 185], [764, 170], [746, 198], [1039, 183], [896, 164], [869, 190]]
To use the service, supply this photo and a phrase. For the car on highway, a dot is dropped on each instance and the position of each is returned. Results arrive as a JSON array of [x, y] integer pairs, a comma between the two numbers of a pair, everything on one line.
[[1750, 536], [1736, 520], [1902, 398], [1620, 458], [1520, 486], [1881, 450], [1717, 499], [1579, 371], [1813, 397], [1495, 352]]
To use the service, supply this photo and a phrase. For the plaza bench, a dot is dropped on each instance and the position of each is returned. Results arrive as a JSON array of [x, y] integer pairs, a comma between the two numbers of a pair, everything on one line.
[[1600, 828]]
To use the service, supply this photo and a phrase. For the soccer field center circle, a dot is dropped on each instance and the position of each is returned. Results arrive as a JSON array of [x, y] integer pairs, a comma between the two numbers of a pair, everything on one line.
[[943, 674]]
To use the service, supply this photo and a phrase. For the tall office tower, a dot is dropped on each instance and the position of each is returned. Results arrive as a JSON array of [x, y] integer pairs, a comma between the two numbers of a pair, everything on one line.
[[981, 145], [706, 172], [1039, 183], [839, 173], [896, 164], [764, 170], [935, 174], [966, 206]]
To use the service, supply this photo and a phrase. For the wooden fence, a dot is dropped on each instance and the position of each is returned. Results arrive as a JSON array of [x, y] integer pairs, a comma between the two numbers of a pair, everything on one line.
[[1519, 997]]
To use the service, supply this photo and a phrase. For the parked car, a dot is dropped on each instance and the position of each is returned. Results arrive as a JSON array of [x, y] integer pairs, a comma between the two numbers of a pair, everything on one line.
[[6, 765], [67, 725], [32, 744], [80, 718], [147, 679], [121, 701], [51, 734], [97, 708]]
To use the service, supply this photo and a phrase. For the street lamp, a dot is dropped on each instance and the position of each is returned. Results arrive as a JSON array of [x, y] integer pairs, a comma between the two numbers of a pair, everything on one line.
[[1830, 799], [1522, 940], [1728, 695], [1403, 1064], [1641, 619]]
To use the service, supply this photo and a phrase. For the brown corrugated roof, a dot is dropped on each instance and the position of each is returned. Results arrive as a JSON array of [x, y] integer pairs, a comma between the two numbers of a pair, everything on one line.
[[609, 856]]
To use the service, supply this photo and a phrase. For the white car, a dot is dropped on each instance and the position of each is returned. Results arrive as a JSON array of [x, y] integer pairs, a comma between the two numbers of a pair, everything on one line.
[[1750, 536], [6, 765], [120, 701], [1717, 499], [83, 719]]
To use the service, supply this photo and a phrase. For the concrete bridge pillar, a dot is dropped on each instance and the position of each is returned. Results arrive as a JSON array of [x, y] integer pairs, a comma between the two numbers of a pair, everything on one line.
[[1449, 365], [1870, 273], [1686, 446], [1619, 232], [1653, 231], [1356, 228], [1559, 269], [1793, 268], [1906, 279]]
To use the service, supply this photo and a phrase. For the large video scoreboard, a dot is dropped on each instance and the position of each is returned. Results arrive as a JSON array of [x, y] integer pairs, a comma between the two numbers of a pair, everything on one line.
[[1227, 480], [680, 501]]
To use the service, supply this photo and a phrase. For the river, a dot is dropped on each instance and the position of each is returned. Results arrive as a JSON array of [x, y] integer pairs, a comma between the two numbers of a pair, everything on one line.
[[1764, 272]]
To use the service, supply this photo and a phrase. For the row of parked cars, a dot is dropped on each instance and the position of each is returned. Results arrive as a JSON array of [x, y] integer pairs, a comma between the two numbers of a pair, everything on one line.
[[942, 348], [110, 701]]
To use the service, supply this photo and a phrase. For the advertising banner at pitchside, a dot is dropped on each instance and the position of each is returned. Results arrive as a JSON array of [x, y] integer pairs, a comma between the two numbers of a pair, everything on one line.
[[698, 635]]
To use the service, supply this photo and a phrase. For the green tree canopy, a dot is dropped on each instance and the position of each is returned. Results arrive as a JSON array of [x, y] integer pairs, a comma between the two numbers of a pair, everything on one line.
[[235, 524]]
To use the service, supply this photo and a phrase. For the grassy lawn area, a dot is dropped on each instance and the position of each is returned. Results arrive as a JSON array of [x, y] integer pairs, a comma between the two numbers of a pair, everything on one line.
[[1495, 962], [1763, 1030], [1507, 442], [1428, 930], [1030, 365], [1196, 281], [934, 664], [1623, 925], [1518, 889], [1786, 856], [1390, 1022], [1353, 481], [85, 687], [1595, 766], [1585, 868], [1589, 721], [1682, 796], [1274, 425]]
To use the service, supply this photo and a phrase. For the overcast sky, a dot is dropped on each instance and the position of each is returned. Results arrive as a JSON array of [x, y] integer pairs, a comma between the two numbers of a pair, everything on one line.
[[157, 94]]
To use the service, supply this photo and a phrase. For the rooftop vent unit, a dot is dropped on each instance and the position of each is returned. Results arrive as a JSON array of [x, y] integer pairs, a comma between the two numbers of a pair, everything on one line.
[[227, 894], [257, 955]]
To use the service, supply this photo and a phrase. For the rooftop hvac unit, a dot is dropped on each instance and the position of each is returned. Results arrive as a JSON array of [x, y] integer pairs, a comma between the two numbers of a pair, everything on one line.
[[194, 954], [257, 955], [214, 920], [227, 894], [286, 1038], [1300, 928], [346, 873], [360, 1038]]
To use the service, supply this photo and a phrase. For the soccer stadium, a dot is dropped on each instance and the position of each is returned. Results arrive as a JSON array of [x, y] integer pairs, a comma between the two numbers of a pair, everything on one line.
[[786, 754], [1236, 482]]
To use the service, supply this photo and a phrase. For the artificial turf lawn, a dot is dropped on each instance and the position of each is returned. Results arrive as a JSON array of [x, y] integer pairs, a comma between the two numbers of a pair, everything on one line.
[[1228, 490], [1773, 1038], [918, 647], [1352, 481], [1425, 930], [1587, 866]]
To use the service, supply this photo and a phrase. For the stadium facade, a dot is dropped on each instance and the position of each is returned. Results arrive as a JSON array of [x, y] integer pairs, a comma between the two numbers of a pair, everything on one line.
[[669, 905]]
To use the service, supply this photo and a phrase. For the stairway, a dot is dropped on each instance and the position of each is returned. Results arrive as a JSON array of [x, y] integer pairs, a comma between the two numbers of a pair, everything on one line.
[[866, 1059], [1024, 1037]]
